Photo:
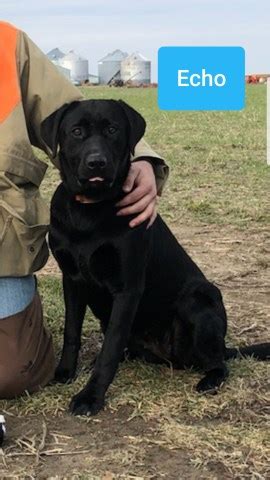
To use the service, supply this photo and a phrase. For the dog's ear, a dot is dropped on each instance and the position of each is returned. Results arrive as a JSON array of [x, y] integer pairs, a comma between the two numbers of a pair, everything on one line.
[[51, 125], [137, 124]]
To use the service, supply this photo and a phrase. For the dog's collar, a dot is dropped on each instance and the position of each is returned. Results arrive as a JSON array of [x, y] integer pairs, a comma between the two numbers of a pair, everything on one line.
[[84, 199]]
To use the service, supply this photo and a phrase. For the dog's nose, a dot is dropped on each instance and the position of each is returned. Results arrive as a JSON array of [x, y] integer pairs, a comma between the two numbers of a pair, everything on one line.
[[95, 160]]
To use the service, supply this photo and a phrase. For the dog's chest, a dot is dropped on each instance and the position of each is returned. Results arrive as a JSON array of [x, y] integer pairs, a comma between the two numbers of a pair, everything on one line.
[[88, 261], [89, 246], [90, 257]]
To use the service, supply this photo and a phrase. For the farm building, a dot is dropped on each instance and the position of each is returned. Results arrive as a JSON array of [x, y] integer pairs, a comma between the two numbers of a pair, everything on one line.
[[93, 79], [116, 66], [55, 55], [136, 69], [74, 67], [77, 65], [109, 67]]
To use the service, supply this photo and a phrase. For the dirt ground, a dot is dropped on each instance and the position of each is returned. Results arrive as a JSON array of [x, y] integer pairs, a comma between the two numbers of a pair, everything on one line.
[[119, 444], [115, 445]]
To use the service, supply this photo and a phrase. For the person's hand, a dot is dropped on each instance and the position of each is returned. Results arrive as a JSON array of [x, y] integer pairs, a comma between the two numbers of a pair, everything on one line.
[[141, 198]]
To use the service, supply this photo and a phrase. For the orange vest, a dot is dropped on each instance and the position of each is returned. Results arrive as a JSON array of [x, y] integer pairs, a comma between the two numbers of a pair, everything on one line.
[[9, 86]]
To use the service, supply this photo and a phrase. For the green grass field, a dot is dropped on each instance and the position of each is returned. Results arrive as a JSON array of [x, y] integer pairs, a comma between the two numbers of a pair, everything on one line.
[[155, 425]]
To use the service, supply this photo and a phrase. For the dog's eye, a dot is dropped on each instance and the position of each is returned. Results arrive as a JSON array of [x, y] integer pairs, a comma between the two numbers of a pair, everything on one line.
[[77, 132], [111, 130]]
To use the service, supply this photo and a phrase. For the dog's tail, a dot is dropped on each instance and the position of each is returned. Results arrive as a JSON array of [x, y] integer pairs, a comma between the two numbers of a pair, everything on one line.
[[260, 351]]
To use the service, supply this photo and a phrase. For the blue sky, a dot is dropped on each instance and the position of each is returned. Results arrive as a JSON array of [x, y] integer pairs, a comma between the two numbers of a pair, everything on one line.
[[94, 28]]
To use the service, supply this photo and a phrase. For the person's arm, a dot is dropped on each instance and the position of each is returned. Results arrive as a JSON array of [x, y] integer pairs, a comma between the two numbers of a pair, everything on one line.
[[144, 152], [146, 179]]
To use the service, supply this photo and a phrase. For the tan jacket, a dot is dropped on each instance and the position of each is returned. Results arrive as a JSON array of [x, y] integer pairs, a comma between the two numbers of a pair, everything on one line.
[[31, 88]]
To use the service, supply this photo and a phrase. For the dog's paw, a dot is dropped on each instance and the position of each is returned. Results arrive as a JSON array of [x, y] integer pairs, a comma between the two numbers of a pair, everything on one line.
[[63, 375], [86, 403], [204, 386], [212, 381]]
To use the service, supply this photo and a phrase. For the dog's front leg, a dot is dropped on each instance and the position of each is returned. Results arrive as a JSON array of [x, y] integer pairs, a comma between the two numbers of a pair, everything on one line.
[[75, 306], [91, 399]]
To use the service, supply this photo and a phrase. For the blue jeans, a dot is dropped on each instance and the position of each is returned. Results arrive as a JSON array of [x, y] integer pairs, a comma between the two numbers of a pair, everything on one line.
[[16, 293]]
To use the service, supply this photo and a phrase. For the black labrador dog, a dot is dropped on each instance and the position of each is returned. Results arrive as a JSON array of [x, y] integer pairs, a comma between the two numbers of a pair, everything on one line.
[[150, 297]]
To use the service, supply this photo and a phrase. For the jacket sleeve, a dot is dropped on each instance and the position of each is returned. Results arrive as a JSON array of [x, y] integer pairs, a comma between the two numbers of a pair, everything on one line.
[[144, 152], [43, 88]]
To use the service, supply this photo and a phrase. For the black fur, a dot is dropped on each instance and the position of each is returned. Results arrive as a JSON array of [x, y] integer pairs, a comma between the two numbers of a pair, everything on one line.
[[148, 294]]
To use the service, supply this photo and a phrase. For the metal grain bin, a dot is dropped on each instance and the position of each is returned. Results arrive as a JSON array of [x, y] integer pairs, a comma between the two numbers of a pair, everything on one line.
[[55, 54], [93, 79], [109, 66], [136, 69], [77, 65]]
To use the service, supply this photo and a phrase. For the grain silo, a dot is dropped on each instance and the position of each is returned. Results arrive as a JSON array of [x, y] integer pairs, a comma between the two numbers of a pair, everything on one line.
[[55, 55], [109, 67], [136, 69], [77, 65]]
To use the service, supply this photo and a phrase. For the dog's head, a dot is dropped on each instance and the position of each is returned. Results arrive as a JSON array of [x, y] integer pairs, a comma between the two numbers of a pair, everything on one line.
[[95, 139]]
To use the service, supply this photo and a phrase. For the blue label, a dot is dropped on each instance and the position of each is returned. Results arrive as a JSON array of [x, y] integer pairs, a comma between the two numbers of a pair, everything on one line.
[[201, 78]]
